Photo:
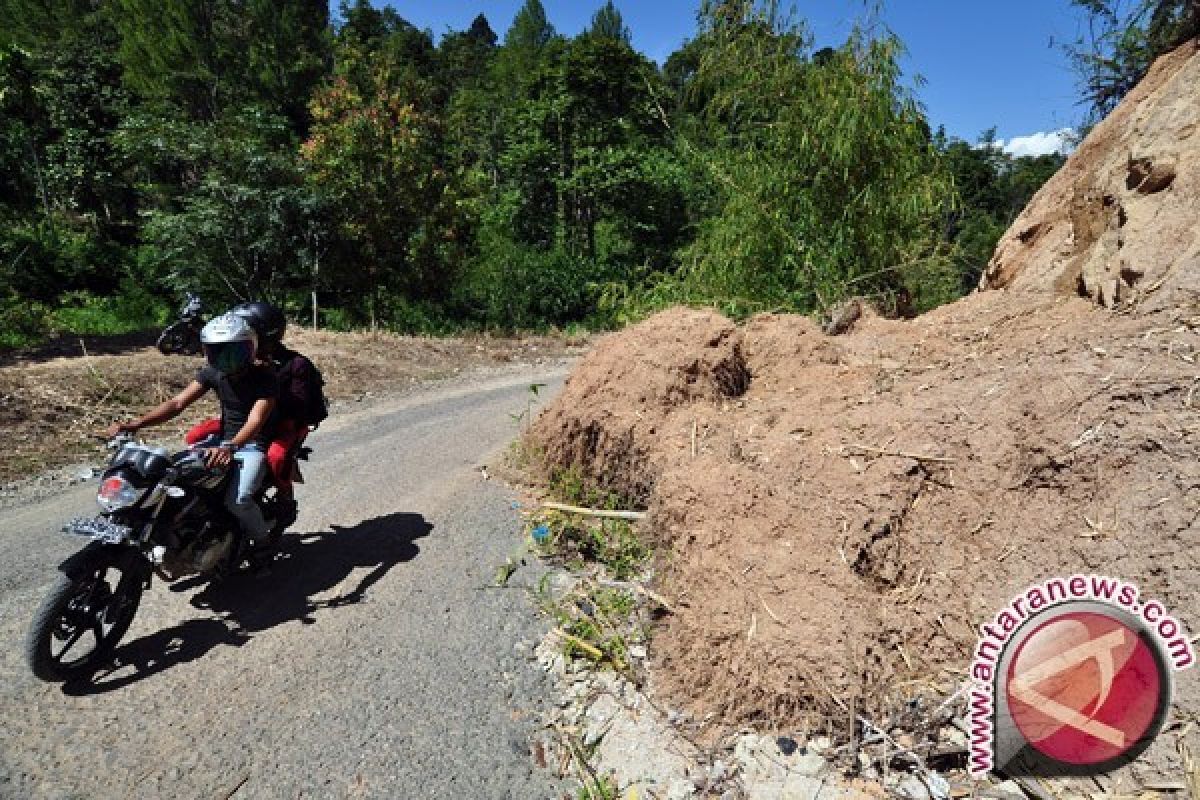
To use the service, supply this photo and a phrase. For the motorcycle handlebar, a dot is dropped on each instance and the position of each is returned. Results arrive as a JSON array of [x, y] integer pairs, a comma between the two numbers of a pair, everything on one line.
[[114, 442]]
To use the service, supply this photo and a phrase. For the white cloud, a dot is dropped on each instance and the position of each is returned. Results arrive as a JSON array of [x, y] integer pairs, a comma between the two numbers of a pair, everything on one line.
[[1039, 144]]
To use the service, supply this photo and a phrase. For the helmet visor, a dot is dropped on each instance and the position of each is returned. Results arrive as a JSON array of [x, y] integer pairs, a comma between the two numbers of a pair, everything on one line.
[[227, 357]]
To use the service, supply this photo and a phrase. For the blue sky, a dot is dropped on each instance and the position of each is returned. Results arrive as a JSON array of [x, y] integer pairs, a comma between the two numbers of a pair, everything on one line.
[[984, 63]]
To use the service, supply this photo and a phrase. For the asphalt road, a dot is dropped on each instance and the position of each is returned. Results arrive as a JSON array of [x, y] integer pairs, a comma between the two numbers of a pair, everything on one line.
[[369, 664]]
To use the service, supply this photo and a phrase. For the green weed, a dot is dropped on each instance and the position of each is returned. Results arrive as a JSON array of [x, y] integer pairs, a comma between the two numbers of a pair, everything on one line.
[[600, 622], [570, 485], [602, 788], [577, 541]]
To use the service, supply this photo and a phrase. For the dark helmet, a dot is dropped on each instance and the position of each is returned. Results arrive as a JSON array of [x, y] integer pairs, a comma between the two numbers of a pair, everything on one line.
[[267, 320]]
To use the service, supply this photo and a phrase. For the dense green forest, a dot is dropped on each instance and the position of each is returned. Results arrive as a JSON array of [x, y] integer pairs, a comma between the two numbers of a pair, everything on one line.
[[264, 148]]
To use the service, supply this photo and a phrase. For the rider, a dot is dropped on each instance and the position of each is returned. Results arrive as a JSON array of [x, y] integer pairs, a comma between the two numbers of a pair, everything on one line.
[[247, 392], [289, 423]]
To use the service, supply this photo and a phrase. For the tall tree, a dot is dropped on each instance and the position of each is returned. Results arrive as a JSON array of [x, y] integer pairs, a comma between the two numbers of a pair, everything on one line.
[[245, 229], [531, 29], [608, 23], [375, 153], [825, 176], [464, 56], [472, 110], [993, 187], [373, 45], [611, 135], [525, 74], [184, 55], [522, 59], [70, 208], [203, 58], [288, 54]]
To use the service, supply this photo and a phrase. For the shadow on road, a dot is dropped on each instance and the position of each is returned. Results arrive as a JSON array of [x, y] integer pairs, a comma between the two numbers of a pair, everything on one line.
[[313, 571]]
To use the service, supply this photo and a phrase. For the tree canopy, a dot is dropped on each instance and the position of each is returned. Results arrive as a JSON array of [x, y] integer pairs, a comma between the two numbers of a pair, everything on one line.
[[271, 149], [1122, 41]]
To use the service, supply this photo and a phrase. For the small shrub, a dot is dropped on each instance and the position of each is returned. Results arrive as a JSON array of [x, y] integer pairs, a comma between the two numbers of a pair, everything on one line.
[[575, 541], [22, 323], [337, 319], [571, 486], [602, 788], [132, 309]]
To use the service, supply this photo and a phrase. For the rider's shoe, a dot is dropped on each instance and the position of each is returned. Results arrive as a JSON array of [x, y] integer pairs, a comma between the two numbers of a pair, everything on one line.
[[285, 513], [259, 561]]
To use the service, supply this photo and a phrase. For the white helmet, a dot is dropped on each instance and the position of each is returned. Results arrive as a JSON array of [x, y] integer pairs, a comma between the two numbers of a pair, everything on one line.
[[229, 343]]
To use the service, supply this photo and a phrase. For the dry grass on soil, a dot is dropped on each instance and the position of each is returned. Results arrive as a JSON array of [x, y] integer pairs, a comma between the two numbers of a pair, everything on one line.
[[52, 400]]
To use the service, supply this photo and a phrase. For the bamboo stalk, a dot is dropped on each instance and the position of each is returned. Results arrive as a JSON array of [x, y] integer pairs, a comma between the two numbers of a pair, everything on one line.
[[595, 512], [591, 650]]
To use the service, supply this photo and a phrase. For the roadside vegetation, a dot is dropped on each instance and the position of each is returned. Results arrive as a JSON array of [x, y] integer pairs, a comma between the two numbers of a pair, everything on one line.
[[607, 608], [275, 150]]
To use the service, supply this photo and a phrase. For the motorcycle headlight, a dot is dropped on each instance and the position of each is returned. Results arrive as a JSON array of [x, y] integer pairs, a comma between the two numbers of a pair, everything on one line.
[[117, 493]]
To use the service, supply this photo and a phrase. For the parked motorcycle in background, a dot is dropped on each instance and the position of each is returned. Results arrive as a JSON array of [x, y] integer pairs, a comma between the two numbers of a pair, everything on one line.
[[183, 335], [160, 515]]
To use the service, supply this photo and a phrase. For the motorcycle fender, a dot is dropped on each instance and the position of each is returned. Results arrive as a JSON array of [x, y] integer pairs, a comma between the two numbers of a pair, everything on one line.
[[132, 562]]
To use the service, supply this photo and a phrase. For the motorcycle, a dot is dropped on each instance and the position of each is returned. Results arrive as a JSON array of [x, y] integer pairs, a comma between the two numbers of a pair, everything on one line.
[[183, 335], [161, 515]]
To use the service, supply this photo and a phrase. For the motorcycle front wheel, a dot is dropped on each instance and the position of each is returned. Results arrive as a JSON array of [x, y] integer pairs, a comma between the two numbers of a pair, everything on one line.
[[84, 616]]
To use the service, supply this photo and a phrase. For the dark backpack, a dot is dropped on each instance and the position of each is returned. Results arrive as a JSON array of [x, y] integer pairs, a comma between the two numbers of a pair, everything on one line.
[[311, 395]]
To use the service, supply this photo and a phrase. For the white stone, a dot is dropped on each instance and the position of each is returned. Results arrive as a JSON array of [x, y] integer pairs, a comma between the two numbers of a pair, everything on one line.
[[807, 764], [954, 736], [938, 786], [639, 747], [795, 787], [819, 744], [911, 787], [681, 790], [1005, 789]]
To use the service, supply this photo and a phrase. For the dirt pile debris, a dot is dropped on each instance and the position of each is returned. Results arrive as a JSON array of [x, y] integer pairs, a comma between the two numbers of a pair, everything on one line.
[[834, 516]]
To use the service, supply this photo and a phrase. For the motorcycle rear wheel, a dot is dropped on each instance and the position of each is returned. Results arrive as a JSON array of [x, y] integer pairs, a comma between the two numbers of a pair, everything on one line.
[[94, 605], [181, 338]]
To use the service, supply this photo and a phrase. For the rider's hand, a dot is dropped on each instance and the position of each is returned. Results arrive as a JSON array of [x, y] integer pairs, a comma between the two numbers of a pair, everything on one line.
[[218, 457], [117, 428]]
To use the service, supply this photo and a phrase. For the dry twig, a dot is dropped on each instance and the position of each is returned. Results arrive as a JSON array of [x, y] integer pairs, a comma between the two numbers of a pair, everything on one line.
[[900, 454]]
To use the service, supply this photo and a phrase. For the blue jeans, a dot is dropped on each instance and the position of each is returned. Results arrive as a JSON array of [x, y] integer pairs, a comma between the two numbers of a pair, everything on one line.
[[249, 468]]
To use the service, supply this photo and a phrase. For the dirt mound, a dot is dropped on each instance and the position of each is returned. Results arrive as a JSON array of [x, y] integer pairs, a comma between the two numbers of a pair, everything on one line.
[[1118, 222], [677, 358], [834, 516], [843, 524]]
